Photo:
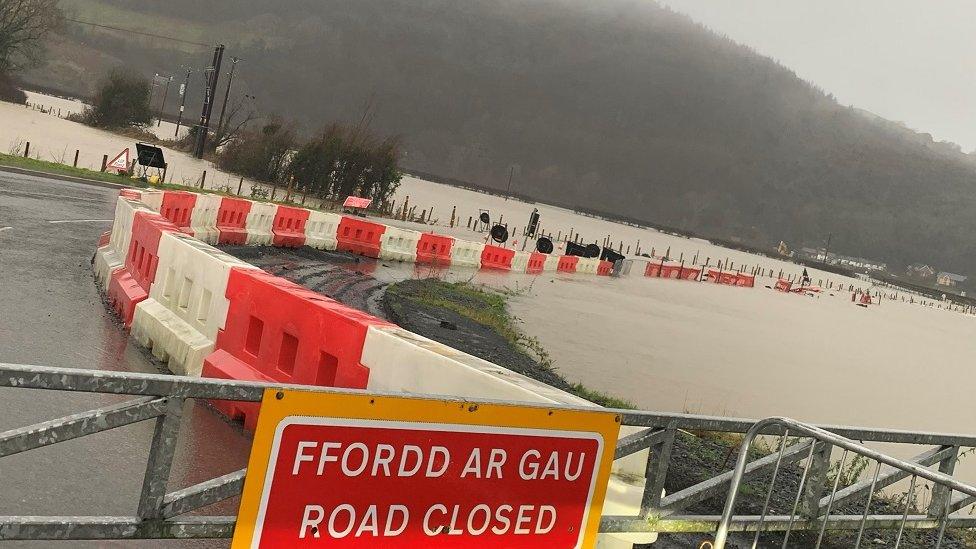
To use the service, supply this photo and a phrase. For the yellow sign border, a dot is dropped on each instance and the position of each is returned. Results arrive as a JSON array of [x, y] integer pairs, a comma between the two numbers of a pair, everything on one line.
[[277, 405]]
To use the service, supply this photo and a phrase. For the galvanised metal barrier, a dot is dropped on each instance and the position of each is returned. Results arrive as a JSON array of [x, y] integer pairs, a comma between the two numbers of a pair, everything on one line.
[[162, 515], [944, 500]]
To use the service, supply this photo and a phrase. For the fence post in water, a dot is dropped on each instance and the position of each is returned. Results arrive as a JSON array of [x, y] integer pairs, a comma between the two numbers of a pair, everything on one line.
[[628, 249], [165, 168], [27, 150], [203, 179], [469, 221], [453, 212], [104, 161], [75, 163], [274, 190], [291, 182], [682, 258], [239, 185]]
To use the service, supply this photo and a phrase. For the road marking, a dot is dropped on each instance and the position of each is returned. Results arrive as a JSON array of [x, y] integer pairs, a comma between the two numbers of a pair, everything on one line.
[[82, 221], [13, 192]]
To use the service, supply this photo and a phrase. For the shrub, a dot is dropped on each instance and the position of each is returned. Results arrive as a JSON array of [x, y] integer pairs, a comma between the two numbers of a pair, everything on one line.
[[122, 100], [260, 155], [10, 92]]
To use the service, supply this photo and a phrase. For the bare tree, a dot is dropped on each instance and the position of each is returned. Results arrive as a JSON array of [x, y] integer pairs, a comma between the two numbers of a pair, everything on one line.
[[23, 26]]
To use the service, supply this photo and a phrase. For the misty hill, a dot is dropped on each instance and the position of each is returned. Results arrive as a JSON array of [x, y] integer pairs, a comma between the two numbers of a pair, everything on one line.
[[619, 105]]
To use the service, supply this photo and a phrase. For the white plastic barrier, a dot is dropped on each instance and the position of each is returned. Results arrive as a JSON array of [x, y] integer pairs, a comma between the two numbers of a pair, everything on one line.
[[153, 199], [112, 255], [203, 218], [186, 305], [399, 244], [404, 362], [320, 230], [465, 253], [520, 262], [551, 264], [587, 265], [258, 223]]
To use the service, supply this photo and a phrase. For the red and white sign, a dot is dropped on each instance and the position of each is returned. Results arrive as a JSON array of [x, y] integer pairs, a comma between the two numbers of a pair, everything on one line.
[[119, 163], [357, 202], [342, 482], [360, 470]]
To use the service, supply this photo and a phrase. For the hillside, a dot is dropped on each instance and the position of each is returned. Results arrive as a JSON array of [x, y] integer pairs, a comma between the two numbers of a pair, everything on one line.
[[621, 106]]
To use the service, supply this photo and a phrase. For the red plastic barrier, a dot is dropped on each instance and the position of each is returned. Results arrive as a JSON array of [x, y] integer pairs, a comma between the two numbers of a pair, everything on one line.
[[222, 365], [231, 219], [744, 280], [434, 249], [130, 284], [722, 278], [289, 227], [783, 285], [104, 239], [496, 257], [537, 261], [604, 268], [290, 334], [567, 264], [177, 207], [359, 236], [671, 271], [130, 193]]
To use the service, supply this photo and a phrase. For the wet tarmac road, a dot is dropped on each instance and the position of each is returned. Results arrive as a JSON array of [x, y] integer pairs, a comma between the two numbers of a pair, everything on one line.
[[52, 314]]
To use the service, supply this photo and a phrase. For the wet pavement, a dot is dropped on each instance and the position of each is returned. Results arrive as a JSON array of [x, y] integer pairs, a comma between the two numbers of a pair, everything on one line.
[[52, 314]]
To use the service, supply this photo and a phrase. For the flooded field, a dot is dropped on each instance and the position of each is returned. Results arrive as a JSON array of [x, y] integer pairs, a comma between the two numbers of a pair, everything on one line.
[[679, 346]]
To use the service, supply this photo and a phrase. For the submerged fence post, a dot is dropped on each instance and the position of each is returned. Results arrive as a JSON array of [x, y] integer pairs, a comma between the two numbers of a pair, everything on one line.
[[75, 164]]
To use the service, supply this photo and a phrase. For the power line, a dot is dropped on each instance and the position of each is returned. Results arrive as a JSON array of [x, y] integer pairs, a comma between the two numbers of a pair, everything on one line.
[[130, 31]]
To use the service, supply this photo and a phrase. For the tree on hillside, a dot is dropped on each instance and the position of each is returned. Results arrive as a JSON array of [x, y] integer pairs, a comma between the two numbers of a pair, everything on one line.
[[122, 100], [262, 154], [23, 26], [341, 160]]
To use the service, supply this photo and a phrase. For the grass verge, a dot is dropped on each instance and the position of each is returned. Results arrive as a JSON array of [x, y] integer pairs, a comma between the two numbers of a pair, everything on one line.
[[489, 309], [63, 169]]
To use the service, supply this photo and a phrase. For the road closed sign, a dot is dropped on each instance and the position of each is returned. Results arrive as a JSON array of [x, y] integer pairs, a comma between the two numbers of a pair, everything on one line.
[[331, 470]]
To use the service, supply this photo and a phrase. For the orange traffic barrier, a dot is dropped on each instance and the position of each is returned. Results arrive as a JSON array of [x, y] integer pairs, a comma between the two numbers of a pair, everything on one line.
[[537, 262], [496, 257], [289, 227], [231, 218], [359, 236], [130, 284], [567, 264], [177, 206], [605, 268], [434, 249]]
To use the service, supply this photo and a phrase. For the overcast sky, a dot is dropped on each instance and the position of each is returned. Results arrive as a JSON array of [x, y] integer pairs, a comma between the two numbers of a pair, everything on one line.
[[910, 61]]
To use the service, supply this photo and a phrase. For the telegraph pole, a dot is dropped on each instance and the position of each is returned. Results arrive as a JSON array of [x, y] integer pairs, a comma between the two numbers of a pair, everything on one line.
[[204, 126], [827, 247], [162, 106], [508, 191], [230, 80], [184, 87]]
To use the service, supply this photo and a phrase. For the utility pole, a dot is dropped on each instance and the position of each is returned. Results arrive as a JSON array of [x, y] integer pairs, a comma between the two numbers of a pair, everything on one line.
[[511, 173], [162, 106], [204, 126], [230, 80], [184, 87]]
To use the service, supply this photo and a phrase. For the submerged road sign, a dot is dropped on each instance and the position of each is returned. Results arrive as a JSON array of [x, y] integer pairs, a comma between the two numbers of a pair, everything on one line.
[[331, 470]]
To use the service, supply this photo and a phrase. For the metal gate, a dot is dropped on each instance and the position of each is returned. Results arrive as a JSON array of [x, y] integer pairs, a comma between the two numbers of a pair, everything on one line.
[[162, 514]]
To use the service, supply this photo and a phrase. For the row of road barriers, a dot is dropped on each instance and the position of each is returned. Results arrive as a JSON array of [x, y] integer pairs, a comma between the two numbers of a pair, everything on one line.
[[205, 313]]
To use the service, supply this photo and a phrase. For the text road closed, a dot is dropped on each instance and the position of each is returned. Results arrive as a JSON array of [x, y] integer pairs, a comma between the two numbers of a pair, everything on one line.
[[346, 482]]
